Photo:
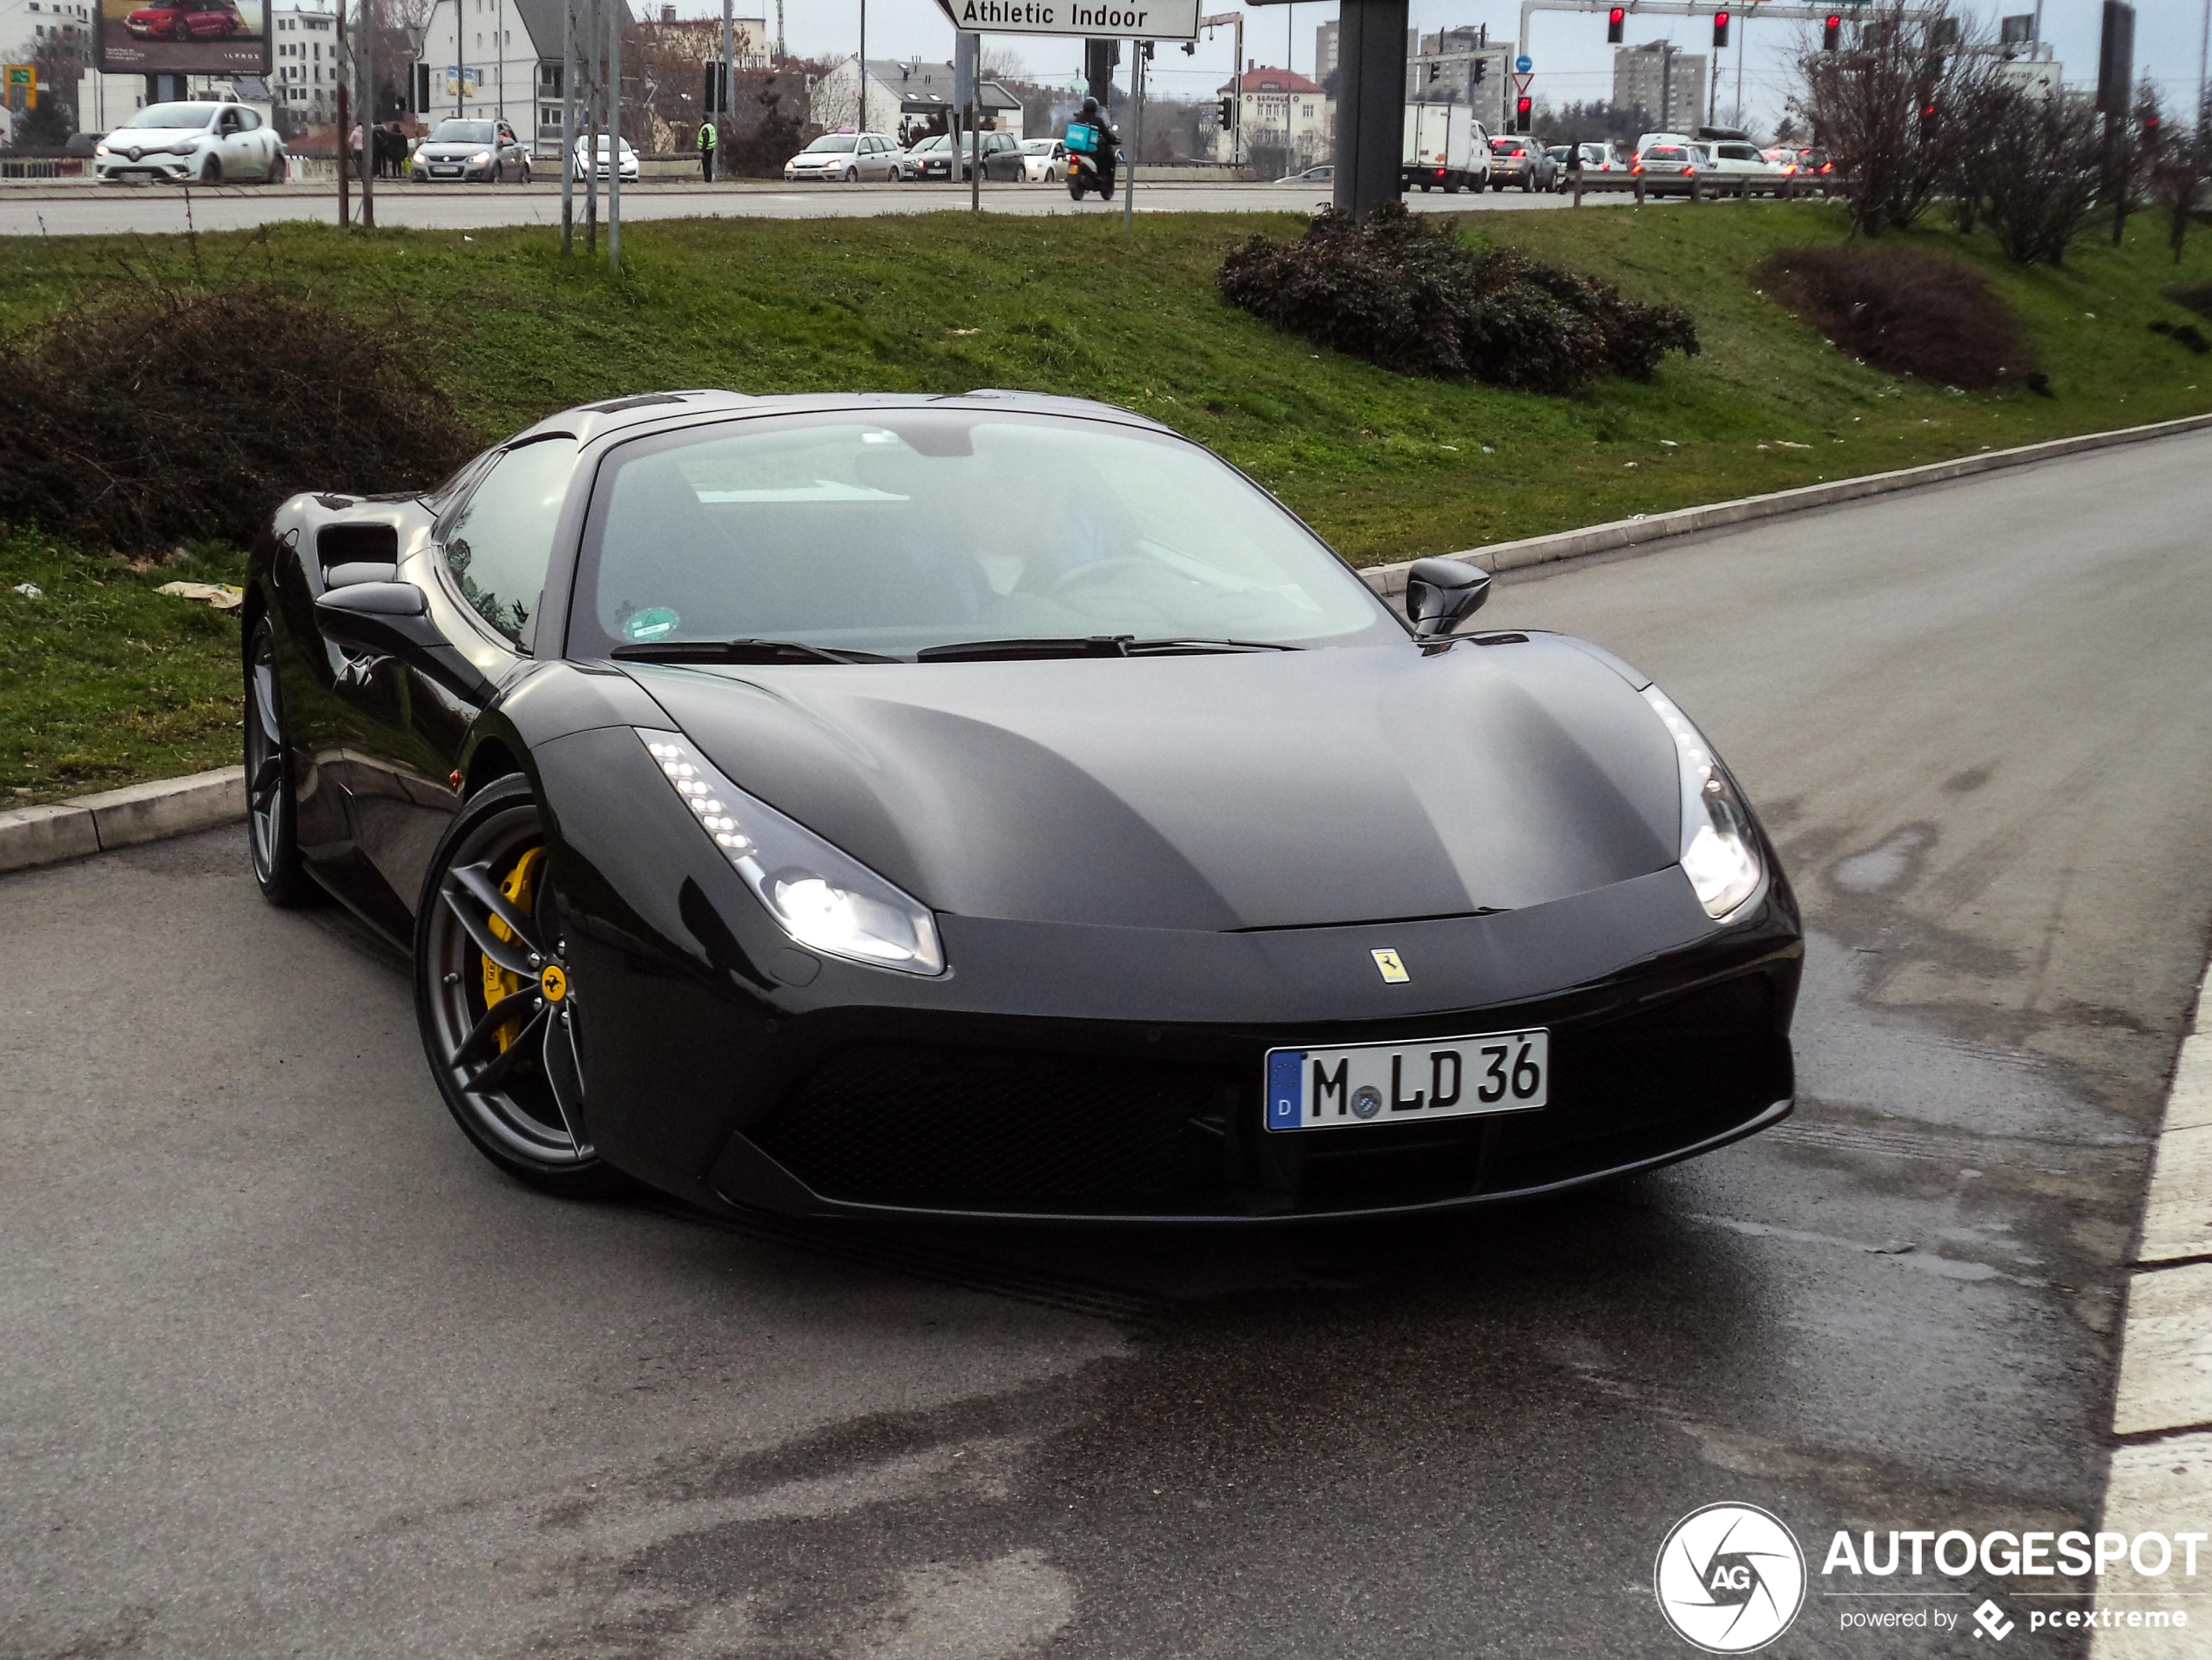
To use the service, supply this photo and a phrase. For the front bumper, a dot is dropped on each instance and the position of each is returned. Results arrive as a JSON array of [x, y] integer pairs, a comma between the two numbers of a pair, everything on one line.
[[1094, 1072], [166, 168]]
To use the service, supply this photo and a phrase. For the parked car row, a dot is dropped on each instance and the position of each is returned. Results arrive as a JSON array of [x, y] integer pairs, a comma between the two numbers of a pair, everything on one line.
[[859, 157]]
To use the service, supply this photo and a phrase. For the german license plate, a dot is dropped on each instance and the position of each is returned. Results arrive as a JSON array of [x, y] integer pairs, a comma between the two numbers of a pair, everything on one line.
[[444, 172], [1444, 1077]]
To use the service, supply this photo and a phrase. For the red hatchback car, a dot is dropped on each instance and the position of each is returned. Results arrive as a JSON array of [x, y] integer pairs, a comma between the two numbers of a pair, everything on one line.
[[185, 20]]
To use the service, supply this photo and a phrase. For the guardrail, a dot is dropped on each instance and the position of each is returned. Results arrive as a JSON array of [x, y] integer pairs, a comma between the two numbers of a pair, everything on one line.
[[40, 166]]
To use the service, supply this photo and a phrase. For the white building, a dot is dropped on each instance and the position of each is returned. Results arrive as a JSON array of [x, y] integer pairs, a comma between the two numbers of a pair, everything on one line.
[[303, 64], [25, 25], [1279, 108], [906, 97], [500, 59]]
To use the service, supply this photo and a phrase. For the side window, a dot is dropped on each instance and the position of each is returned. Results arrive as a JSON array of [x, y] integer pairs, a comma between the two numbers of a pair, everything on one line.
[[498, 545]]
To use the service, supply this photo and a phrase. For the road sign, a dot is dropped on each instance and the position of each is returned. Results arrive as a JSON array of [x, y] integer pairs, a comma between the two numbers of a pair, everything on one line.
[[22, 86], [1524, 62], [1089, 19], [1520, 83]]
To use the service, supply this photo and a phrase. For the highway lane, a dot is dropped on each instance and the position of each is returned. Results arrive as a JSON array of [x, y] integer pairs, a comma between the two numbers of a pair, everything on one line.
[[79, 210], [285, 1368]]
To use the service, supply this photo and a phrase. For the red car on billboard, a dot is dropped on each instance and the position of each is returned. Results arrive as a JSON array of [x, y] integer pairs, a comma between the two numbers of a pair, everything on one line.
[[185, 20]]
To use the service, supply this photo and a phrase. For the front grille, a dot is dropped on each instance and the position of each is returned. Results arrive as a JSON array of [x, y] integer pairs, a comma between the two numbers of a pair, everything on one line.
[[995, 1130], [985, 1130]]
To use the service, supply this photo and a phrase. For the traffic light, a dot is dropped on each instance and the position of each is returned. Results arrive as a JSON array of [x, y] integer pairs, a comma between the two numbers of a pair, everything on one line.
[[1928, 119], [1436, 72], [1521, 109], [715, 97], [1614, 21], [1720, 30], [1481, 70], [2151, 134], [1831, 32], [1223, 116]]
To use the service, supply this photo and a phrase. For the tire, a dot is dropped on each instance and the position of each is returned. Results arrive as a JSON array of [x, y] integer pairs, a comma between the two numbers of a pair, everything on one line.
[[514, 1086], [852, 175], [211, 172], [1075, 187], [180, 30], [271, 811]]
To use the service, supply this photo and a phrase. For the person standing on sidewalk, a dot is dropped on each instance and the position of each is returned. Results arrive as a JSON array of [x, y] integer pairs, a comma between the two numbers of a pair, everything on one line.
[[708, 139]]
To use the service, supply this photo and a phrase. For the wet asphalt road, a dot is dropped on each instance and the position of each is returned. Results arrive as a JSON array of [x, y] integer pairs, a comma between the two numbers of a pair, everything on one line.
[[73, 209], [285, 1368]]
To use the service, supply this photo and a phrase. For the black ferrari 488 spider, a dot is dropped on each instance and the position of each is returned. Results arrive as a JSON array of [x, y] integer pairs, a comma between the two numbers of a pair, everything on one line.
[[995, 804]]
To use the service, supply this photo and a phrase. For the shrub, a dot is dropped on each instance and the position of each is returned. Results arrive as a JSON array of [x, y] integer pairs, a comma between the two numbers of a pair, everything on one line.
[[157, 412], [1914, 313], [1406, 293]]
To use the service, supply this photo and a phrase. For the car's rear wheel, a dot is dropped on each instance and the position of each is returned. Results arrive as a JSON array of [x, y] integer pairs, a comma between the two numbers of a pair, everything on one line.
[[1075, 187], [493, 996], [272, 816]]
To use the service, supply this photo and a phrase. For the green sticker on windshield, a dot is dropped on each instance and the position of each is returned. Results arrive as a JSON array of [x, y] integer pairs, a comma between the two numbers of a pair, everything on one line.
[[650, 624]]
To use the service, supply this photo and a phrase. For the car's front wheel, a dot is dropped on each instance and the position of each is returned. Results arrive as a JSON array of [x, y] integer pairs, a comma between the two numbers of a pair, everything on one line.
[[498, 1010], [211, 172]]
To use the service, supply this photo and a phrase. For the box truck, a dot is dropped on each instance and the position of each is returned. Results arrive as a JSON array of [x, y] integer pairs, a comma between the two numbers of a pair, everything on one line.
[[1445, 146]]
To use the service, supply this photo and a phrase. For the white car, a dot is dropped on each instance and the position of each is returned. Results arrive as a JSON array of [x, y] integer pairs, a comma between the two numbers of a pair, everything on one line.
[[629, 160], [850, 157], [191, 144], [1735, 168], [1044, 161]]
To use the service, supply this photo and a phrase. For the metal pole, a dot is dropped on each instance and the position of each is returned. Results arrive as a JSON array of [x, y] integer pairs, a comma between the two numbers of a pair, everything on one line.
[[727, 84], [2204, 61], [861, 122], [368, 114], [614, 135], [568, 126], [975, 163], [344, 130], [499, 72], [1136, 96], [591, 151]]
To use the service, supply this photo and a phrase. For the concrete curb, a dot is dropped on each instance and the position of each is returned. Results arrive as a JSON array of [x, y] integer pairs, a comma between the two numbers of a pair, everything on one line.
[[90, 823], [2164, 1401], [1389, 580]]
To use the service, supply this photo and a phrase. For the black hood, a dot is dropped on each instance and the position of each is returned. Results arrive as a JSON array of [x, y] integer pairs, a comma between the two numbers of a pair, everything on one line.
[[1267, 790]]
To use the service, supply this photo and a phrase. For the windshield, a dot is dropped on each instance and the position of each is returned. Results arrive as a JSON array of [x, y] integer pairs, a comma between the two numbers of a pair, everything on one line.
[[461, 133], [894, 531], [834, 141], [174, 115], [1037, 146]]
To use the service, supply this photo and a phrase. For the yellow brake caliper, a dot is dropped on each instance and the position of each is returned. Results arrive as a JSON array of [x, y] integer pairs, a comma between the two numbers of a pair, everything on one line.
[[498, 982]]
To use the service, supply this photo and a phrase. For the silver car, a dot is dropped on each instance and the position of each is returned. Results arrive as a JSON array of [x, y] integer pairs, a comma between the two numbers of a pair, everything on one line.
[[849, 157], [460, 151], [191, 144]]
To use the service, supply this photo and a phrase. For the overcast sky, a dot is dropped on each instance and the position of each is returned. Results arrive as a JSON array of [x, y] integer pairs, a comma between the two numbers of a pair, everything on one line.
[[1573, 62]]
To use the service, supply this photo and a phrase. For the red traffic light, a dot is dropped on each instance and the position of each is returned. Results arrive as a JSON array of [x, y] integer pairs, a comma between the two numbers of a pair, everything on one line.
[[1614, 20], [1720, 29], [1523, 107], [1832, 30]]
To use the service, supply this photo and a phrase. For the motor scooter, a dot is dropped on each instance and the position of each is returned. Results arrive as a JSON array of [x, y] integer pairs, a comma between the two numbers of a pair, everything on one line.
[[1090, 165]]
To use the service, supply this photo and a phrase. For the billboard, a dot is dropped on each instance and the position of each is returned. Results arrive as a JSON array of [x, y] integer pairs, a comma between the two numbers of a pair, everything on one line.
[[183, 37]]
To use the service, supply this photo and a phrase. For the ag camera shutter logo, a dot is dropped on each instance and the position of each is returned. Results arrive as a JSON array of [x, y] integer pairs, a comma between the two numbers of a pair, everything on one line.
[[1729, 1578]]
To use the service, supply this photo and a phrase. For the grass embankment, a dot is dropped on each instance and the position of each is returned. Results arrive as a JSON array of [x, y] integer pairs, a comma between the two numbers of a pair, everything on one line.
[[1384, 466]]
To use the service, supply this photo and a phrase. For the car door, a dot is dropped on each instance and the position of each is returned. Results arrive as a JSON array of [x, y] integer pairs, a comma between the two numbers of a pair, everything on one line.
[[483, 576], [256, 146]]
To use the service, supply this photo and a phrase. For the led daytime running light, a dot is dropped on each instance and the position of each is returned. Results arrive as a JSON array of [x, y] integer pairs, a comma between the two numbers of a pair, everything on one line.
[[825, 899], [1719, 852]]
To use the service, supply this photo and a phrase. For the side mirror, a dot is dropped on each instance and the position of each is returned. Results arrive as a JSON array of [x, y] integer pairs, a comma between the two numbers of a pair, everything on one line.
[[381, 616], [1440, 594]]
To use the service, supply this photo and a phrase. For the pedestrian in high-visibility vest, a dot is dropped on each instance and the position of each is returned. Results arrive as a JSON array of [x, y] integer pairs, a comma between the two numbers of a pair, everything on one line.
[[708, 139]]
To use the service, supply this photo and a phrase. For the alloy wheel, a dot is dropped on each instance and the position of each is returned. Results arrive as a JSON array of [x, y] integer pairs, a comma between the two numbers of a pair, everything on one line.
[[499, 1008]]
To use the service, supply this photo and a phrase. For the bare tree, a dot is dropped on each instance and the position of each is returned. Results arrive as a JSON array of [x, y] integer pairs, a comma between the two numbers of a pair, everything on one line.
[[2178, 181], [2035, 169], [1894, 108], [2131, 146]]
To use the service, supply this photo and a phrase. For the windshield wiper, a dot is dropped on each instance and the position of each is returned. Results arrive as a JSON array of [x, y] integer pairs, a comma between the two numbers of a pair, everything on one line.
[[1069, 645], [741, 651], [1086, 645]]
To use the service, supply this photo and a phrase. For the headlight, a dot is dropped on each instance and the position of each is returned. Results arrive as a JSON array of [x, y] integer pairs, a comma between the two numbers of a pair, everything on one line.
[[99, 150], [1719, 853], [821, 897], [481, 159]]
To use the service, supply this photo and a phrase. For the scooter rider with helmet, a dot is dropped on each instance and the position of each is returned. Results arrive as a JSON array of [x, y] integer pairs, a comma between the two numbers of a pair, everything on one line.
[[1090, 154]]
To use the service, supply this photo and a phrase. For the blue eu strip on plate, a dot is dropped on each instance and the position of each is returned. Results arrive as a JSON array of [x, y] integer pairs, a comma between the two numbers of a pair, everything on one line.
[[1285, 1089]]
